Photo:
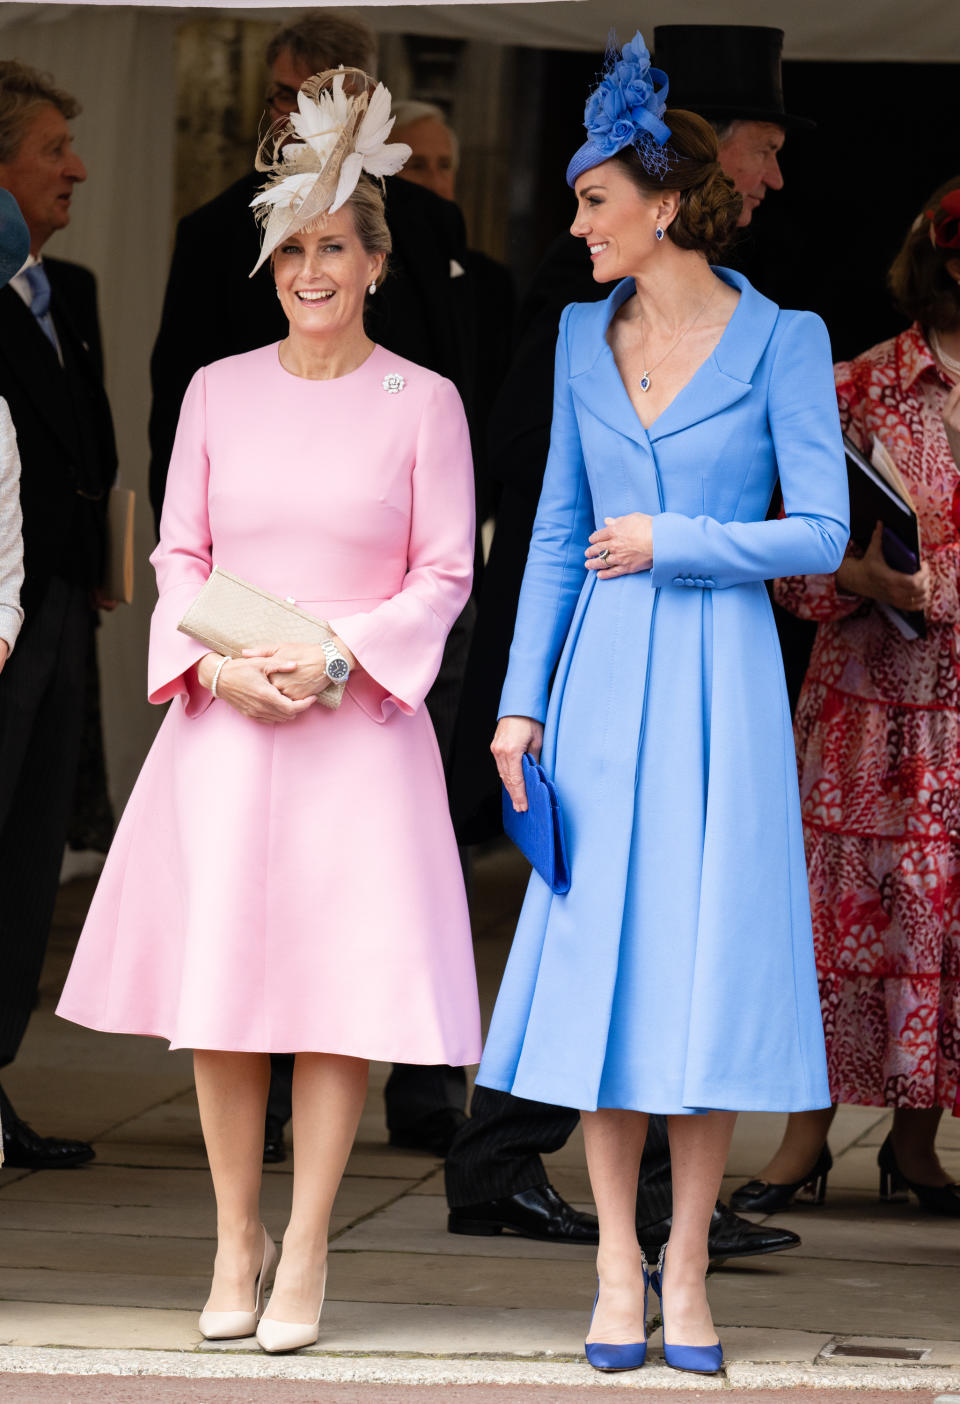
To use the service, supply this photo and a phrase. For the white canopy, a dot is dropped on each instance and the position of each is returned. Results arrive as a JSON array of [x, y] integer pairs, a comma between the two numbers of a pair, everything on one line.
[[925, 31]]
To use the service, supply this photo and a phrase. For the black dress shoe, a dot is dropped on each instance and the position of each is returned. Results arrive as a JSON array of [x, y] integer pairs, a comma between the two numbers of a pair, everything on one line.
[[730, 1236], [274, 1146], [433, 1133], [23, 1149], [765, 1197], [533, 1213]]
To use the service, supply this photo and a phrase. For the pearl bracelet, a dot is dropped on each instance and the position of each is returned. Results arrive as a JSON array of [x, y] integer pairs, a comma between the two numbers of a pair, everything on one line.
[[216, 676]]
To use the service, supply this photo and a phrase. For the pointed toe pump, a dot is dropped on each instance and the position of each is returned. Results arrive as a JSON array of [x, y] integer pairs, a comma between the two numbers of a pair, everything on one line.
[[764, 1197], [696, 1360], [275, 1337], [231, 1325], [619, 1357]]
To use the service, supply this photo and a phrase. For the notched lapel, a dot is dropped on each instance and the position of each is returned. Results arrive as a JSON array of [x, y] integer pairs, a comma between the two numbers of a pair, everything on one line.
[[601, 390], [708, 392]]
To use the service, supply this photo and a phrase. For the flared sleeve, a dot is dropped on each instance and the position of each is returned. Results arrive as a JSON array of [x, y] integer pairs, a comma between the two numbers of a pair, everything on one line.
[[399, 644], [811, 536], [182, 560]]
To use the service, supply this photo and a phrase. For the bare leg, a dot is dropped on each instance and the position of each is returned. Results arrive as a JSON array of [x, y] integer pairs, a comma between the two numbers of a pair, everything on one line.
[[614, 1144], [232, 1095], [914, 1137], [803, 1140], [328, 1097], [698, 1151]]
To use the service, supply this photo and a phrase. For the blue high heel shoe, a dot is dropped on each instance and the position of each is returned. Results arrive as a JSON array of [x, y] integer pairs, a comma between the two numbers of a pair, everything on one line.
[[698, 1360], [619, 1357]]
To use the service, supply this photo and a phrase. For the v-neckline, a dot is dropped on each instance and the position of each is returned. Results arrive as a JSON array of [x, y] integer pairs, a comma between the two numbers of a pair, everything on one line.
[[711, 356]]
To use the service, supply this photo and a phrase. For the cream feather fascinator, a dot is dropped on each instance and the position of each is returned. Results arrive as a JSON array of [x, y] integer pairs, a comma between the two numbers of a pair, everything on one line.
[[315, 157]]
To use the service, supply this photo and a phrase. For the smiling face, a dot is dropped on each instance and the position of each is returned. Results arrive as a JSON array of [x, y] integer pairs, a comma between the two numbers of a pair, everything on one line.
[[619, 221], [749, 157], [322, 277], [42, 174]]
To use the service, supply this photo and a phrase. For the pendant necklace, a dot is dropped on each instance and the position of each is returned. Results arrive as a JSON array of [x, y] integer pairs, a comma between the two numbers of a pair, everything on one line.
[[948, 362], [645, 381]]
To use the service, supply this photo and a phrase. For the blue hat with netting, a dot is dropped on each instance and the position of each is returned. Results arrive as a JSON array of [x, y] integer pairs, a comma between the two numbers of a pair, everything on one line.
[[626, 109]]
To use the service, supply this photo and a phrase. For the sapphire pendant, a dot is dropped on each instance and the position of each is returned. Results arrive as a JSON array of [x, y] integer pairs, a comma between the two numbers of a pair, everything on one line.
[[645, 384]]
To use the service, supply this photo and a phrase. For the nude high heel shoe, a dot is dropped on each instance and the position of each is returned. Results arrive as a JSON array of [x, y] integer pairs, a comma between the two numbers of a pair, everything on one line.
[[230, 1325], [277, 1336]]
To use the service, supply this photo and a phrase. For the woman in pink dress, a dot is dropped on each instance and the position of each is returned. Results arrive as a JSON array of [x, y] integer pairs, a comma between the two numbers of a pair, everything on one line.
[[878, 741], [285, 877]]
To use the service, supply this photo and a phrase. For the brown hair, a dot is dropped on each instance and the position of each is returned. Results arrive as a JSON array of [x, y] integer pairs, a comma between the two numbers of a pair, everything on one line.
[[710, 204], [322, 39], [922, 286], [22, 91]]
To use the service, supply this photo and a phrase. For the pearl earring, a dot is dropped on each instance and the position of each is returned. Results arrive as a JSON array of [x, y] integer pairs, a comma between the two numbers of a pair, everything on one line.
[[372, 289], [659, 233]]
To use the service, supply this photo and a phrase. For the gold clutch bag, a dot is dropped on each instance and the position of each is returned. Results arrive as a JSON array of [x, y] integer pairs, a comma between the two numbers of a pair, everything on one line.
[[230, 614]]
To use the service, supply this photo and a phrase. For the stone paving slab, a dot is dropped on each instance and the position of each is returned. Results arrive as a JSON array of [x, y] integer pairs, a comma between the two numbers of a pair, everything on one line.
[[839, 1297], [418, 1224], [553, 1380]]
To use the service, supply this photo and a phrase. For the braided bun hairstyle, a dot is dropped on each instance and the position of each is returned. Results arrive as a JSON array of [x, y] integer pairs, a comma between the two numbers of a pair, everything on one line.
[[710, 204]]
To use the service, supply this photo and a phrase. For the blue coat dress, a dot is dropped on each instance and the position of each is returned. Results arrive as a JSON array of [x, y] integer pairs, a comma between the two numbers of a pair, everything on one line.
[[677, 975]]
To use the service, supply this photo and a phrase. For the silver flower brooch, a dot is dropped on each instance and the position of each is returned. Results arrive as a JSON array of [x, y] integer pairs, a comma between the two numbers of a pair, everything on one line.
[[393, 383]]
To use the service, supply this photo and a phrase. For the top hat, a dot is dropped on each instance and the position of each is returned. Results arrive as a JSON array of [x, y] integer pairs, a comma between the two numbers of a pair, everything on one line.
[[725, 71], [14, 238]]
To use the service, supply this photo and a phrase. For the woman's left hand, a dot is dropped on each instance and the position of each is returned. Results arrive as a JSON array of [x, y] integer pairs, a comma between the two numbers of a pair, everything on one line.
[[309, 675], [951, 422], [628, 542]]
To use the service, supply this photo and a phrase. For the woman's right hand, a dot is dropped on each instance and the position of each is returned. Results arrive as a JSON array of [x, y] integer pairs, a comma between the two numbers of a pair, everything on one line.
[[514, 737], [243, 682], [871, 577]]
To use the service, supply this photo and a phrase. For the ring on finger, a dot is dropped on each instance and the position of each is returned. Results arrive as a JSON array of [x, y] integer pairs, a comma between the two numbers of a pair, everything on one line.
[[602, 555]]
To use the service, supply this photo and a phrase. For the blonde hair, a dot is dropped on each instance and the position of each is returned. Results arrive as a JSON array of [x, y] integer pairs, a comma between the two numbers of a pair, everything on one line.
[[22, 91], [369, 220]]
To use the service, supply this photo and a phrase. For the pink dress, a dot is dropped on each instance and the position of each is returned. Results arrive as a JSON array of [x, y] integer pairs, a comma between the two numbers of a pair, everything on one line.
[[278, 888]]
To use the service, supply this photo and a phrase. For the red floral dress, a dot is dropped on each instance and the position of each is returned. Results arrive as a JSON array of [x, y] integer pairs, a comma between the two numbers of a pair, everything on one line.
[[878, 747]]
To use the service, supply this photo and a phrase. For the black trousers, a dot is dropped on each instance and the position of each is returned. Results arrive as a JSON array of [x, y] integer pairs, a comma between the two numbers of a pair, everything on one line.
[[42, 690], [497, 1153]]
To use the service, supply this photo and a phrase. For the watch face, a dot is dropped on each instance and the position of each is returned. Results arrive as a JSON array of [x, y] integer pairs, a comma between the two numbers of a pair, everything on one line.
[[338, 669]]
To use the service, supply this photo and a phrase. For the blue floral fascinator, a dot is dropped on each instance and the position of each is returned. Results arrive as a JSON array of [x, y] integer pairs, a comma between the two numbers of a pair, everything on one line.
[[626, 109]]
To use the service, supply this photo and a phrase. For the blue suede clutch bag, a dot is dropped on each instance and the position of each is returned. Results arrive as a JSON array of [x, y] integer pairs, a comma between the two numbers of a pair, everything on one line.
[[538, 832]]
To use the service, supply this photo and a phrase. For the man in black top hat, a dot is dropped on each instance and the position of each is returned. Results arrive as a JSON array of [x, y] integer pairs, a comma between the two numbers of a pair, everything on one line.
[[495, 1177]]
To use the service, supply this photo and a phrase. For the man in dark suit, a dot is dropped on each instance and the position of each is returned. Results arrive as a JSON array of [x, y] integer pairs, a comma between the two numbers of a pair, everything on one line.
[[495, 1176], [51, 375], [424, 311]]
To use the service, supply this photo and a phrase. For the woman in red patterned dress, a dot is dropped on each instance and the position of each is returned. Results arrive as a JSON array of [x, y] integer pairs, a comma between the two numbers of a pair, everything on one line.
[[878, 745]]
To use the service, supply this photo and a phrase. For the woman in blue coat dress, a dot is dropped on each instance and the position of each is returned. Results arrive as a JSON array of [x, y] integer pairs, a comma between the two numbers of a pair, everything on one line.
[[677, 974]]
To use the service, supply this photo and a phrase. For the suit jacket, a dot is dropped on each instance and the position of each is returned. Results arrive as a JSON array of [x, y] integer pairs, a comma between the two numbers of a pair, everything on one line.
[[68, 456], [213, 308]]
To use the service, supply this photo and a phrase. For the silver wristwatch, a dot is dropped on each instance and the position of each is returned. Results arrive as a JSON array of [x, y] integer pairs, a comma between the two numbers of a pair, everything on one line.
[[338, 669]]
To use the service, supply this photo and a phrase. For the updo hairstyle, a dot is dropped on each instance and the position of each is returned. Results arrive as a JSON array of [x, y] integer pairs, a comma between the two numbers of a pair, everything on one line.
[[710, 204], [923, 288]]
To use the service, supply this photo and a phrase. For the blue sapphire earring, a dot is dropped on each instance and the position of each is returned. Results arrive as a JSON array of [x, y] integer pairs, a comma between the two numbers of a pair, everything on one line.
[[659, 233]]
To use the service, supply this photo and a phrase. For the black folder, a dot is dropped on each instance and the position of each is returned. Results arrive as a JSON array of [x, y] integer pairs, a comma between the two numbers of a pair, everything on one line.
[[873, 499]]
